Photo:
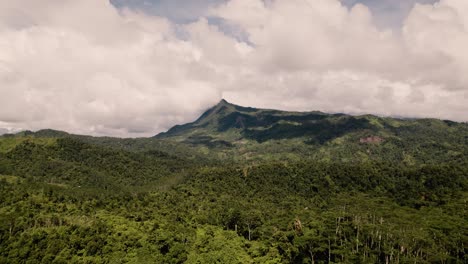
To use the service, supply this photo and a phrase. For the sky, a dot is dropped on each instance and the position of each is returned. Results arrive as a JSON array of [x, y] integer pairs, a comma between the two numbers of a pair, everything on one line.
[[134, 68]]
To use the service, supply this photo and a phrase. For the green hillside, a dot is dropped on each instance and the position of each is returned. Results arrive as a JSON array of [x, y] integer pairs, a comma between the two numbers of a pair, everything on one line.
[[227, 132], [240, 185], [242, 133]]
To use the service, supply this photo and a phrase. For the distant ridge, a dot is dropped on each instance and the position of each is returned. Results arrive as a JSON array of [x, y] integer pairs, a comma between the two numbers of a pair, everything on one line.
[[213, 117], [226, 130], [252, 132], [52, 133]]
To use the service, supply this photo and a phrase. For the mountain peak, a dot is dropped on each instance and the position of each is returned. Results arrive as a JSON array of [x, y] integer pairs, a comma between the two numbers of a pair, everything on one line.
[[223, 102], [221, 106]]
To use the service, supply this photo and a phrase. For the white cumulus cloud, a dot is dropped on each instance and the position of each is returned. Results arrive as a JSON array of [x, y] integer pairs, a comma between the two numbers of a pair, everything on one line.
[[89, 67], [321, 55], [86, 67]]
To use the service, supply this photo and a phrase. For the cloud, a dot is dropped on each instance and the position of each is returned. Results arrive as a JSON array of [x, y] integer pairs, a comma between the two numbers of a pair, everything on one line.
[[114, 73], [3, 131], [122, 72], [320, 54]]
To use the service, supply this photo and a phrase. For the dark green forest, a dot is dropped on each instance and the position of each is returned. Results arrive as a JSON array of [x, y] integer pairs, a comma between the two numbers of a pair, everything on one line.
[[240, 185]]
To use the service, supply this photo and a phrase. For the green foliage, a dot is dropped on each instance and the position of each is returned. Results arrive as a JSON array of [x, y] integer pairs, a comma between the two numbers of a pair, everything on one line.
[[75, 163], [248, 134], [239, 185], [215, 245], [8, 143]]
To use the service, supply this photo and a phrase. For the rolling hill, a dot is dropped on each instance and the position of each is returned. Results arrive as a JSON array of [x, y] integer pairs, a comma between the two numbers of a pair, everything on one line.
[[240, 185]]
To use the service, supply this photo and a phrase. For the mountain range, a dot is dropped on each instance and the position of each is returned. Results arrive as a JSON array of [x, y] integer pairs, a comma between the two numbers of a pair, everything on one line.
[[247, 132], [229, 131], [240, 185]]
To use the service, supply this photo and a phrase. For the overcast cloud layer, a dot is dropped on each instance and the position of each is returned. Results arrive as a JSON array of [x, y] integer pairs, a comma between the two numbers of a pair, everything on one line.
[[87, 67]]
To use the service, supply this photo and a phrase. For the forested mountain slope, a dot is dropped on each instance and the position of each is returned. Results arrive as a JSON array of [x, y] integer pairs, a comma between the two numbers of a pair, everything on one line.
[[247, 133], [240, 185], [227, 132]]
